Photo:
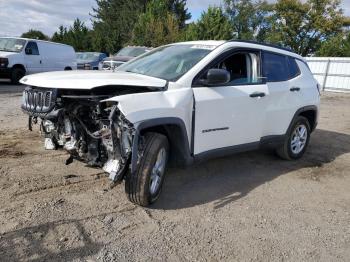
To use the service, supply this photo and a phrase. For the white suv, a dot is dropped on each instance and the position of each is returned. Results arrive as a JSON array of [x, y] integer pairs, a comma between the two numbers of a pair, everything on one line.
[[177, 104]]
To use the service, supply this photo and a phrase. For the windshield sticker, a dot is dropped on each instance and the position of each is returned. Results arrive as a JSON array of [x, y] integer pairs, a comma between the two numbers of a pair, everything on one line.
[[207, 47]]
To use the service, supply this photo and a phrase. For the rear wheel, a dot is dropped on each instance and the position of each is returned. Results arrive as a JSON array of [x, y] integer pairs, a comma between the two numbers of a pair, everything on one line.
[[144, 186], [17, 74], [296, 141]]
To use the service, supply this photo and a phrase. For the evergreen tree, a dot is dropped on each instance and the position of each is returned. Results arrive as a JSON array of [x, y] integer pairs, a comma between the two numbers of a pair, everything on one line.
[[78, 36], [160, 24], [178, 8], [113, 22], [212, 25]]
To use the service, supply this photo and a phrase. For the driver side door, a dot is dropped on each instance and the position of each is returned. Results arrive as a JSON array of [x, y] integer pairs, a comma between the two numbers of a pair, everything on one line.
[[230, 116]]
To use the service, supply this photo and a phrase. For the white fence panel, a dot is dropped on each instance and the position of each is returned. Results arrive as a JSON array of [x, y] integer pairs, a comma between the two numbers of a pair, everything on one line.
[[333, 73]]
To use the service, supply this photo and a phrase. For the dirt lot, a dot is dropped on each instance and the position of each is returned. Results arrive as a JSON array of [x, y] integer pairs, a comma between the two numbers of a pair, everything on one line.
[[248, 207]]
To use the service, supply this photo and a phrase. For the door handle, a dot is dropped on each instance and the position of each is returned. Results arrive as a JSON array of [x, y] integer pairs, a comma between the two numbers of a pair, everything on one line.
[[258, 94], [40, 61], [295, 89]]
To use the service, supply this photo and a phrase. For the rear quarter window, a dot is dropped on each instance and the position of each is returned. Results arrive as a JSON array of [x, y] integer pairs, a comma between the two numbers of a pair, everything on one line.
[[275, 67], [293, 67]]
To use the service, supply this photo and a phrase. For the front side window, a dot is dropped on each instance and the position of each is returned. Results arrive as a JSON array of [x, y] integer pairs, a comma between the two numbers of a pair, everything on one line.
[[32, 49], [167, 62], [243, 67], [275, 67], [12, 44]]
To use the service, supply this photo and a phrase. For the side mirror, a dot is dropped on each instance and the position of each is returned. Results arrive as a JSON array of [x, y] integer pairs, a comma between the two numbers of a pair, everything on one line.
[[29, 51], [218, 77]]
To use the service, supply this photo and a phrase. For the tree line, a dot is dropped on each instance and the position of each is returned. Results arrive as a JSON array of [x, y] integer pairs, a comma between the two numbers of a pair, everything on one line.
[[311, 27]]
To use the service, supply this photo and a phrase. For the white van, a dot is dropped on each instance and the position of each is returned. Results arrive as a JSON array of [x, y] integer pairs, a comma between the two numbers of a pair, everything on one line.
[[21, 56]]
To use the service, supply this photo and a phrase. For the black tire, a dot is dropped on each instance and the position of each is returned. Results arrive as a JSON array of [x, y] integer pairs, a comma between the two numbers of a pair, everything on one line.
[[68, 69], [138, 185], [286, 151], [17, 74]]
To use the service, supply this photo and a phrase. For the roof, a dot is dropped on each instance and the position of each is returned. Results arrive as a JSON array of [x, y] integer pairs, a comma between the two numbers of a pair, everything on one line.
[[266, 47], [247, 44], [263, 44], [37, 40], [204, 42]]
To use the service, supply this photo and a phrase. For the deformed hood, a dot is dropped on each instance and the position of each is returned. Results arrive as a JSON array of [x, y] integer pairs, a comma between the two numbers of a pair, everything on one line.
[[91, 79]]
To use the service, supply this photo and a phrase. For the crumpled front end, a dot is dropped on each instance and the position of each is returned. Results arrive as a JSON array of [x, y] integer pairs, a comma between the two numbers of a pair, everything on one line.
[[95, 133]]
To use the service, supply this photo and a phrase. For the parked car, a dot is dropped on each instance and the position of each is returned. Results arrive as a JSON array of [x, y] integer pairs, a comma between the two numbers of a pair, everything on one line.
[[89, 60], [21, 56], [123, 56], [178, 104]]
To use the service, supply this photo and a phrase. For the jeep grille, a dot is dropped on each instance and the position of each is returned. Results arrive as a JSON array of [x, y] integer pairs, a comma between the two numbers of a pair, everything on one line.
[[38, 101]]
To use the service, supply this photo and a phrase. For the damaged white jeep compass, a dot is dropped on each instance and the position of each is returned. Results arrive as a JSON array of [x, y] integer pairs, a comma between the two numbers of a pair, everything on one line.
[[177, 104]]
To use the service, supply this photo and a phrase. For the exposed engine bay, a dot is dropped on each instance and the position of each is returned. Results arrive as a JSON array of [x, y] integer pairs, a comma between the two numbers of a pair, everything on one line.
[[78, 121]]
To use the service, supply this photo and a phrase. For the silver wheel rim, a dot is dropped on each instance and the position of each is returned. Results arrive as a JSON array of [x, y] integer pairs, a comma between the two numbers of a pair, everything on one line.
[[157, 171], [299, 138]]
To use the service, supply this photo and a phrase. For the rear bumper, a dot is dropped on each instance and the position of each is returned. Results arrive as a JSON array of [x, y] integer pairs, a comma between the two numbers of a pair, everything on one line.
[[5, 72]]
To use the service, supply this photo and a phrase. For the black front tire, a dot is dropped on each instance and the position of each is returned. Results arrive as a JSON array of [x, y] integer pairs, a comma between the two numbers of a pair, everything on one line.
[[17, 74], [285, 151], [137, 185]]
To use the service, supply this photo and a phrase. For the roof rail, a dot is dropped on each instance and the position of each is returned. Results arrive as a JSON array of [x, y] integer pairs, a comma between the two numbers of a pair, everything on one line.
[[261, 43]]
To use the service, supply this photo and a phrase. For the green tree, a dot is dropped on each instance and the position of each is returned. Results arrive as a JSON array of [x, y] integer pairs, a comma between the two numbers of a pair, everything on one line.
[[338, 46], [78, 36], [178, 8], [159, 25], [60, 35], [113, 23], [303, 26], [212, 25], [35, 34], [249, 19]]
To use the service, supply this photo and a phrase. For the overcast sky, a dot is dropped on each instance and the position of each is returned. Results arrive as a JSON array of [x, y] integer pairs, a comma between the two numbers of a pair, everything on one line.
[[18, 16]]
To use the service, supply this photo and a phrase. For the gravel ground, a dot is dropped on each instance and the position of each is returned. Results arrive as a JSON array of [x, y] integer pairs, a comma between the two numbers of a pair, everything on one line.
[[247, 207]]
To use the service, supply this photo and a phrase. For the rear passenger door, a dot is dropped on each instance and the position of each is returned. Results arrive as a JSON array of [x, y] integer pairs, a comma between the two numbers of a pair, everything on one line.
[[284, 84], [33, 58]]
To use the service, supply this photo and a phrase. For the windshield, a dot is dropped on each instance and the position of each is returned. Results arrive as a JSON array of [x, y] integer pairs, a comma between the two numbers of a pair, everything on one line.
[[12, 44], [87, 56], [131, 51], [168, 62]]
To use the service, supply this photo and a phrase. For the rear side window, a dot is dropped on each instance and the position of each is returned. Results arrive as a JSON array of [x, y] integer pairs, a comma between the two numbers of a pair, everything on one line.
[[275, 67], [293, 67], [33, 47]]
